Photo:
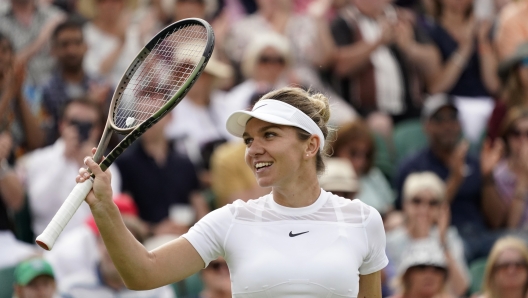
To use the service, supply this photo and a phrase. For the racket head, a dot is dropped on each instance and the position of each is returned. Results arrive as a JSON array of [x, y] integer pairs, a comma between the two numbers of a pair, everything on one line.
[[161, 74]]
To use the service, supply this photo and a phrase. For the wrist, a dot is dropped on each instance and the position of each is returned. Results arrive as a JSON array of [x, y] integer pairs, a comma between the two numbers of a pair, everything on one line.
[[458, 59]]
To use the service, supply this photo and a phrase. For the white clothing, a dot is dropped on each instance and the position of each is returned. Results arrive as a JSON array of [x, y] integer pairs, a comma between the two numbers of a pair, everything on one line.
[[88, 285], [74, 252], [13, 251], [276, 251], [474, 113], [101, 44], [49, 179]]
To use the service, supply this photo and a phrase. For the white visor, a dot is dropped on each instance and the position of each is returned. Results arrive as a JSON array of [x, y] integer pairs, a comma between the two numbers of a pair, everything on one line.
[[276, 112]]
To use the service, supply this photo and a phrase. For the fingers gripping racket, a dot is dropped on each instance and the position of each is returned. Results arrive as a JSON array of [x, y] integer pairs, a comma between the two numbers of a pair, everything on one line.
[[155, 82]]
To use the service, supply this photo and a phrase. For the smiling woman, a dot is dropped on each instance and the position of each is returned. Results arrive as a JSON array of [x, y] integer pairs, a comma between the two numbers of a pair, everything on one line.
[[297, 241]]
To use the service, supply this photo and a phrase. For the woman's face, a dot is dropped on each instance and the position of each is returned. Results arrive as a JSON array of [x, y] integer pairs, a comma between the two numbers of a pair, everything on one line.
[[510, 271], [110, 9], [358, 153], [270, 66], [518, 137], [274, 153], [426, 281], [423, 207]]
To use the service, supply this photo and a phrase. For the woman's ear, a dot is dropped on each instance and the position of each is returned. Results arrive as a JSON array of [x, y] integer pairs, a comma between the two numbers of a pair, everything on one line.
[[313, 146]]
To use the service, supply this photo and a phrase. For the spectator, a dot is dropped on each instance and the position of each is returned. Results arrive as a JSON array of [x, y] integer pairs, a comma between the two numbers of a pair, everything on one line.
[[511, 174], [427, 219], [424, 272], [512, 30], [468, 65], [171, 180], [200, 117], [16, 116], [104, 280], [355, 143], [47, 187], [69, 80], [506, 273], [113, 40], [202, 9], [339, 178], [513, 72], [381, 60], [35, 278], [476, 207], [216, 279], [29, 25]]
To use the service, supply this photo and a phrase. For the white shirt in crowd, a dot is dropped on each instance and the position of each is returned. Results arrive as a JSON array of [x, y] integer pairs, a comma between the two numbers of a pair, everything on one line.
[[275, 251], [13, 251], [49, 178]]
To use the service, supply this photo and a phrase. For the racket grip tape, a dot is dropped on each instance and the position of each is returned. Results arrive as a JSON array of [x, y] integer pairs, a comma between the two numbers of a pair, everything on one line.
[[47, 239]]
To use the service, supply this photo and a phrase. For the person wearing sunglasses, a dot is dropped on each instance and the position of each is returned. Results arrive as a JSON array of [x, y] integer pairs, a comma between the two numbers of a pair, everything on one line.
[[426, 218], [511, 173], [424, 272], [506, 273]]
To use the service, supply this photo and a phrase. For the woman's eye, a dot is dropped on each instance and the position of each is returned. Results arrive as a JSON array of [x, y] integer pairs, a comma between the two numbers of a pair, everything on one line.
[[248, 141], [269, 134]]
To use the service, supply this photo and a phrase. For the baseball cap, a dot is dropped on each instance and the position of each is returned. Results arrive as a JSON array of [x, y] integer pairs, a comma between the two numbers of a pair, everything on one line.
[[426, 252], [276, 112], [28, 270], [339, 175], [434, 103]]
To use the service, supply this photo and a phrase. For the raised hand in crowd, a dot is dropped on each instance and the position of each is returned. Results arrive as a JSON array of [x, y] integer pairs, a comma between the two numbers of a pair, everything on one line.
[[490, 155], [457, 169]]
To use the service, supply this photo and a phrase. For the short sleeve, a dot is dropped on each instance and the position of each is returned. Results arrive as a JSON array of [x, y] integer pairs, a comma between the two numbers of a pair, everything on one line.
[[376, 258], [208, 235]]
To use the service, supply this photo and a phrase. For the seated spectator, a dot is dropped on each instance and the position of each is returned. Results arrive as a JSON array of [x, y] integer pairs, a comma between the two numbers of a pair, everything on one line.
[[35, 278], [231, 177], [201, 116], [427, 219], [76, 250], [113, 40], [69, 80], [216, 279], [355, 143], [171, 180], [104, 280], [512, 30], [506, 273], [381, 61], [476, 207], [47, 187], [29, 24], [339, 178], [468, 65], [513, 72], [511, 174], [17, 119], [424, 272]]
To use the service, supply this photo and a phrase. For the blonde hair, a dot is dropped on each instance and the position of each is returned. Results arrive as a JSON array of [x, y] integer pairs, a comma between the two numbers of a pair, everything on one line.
[[258, 45], [416, 182], [489, 288], [314, 105]]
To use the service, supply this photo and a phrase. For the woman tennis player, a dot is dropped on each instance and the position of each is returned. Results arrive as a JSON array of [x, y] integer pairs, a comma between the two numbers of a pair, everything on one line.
[[298, 241]]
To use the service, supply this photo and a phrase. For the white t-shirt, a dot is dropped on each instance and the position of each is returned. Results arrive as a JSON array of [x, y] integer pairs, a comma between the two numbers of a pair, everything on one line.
[[276, 251]]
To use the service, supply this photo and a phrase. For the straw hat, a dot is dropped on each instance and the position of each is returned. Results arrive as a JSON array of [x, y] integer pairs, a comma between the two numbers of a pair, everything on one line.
[[509, 63]]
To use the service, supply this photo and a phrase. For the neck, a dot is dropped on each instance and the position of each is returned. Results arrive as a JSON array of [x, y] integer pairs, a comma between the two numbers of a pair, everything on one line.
[[157, 148], [301, 192], [512, 293], [218, 293], [107, 26], [72, 76]]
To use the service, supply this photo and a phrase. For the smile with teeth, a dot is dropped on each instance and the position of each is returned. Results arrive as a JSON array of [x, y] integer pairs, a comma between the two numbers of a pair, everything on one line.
[[261, 165]]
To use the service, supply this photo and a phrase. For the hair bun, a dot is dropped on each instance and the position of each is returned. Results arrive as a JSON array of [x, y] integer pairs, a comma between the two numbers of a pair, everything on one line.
[[322, 105]]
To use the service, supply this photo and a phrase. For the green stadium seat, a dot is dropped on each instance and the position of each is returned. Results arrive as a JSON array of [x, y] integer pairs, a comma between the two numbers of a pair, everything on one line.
[[476, 270], [383, 159], [189, 287], [7, 279], [408, 138]]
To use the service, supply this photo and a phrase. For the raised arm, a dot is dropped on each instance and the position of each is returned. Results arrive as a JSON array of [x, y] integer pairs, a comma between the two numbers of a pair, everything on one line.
[[139, 268]]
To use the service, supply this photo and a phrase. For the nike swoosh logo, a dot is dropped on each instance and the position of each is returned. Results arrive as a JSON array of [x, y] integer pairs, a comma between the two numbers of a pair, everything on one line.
[[294, 235], [259, 107]]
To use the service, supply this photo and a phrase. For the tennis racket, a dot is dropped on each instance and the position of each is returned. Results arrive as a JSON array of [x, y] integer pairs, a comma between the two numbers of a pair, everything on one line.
[[154, 83]]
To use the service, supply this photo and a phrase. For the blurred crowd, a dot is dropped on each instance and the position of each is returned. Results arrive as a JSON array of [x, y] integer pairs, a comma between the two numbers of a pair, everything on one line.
[[429, 102]]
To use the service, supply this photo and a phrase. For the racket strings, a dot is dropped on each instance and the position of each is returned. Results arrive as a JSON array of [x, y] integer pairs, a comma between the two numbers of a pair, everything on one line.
[[163, 72]]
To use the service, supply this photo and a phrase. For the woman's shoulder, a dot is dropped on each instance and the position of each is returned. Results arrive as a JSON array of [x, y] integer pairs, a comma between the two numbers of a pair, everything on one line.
[[354, 211]]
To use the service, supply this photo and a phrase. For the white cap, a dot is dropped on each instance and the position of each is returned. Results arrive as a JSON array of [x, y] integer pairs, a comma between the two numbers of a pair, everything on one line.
[[423, 252], [339, 175], [276, 112]]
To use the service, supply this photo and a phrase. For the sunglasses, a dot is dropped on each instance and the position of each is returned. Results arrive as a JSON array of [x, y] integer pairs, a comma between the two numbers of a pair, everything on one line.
[[426, 267], [516, 265], [419, 201], [271, 60], [516, 133], [217, 266]]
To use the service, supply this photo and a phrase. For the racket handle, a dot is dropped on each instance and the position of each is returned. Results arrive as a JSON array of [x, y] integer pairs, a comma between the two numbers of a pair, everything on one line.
[[47, 239]]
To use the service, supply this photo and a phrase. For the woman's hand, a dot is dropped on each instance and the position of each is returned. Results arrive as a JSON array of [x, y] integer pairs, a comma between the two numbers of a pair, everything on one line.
[[101, 192]]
